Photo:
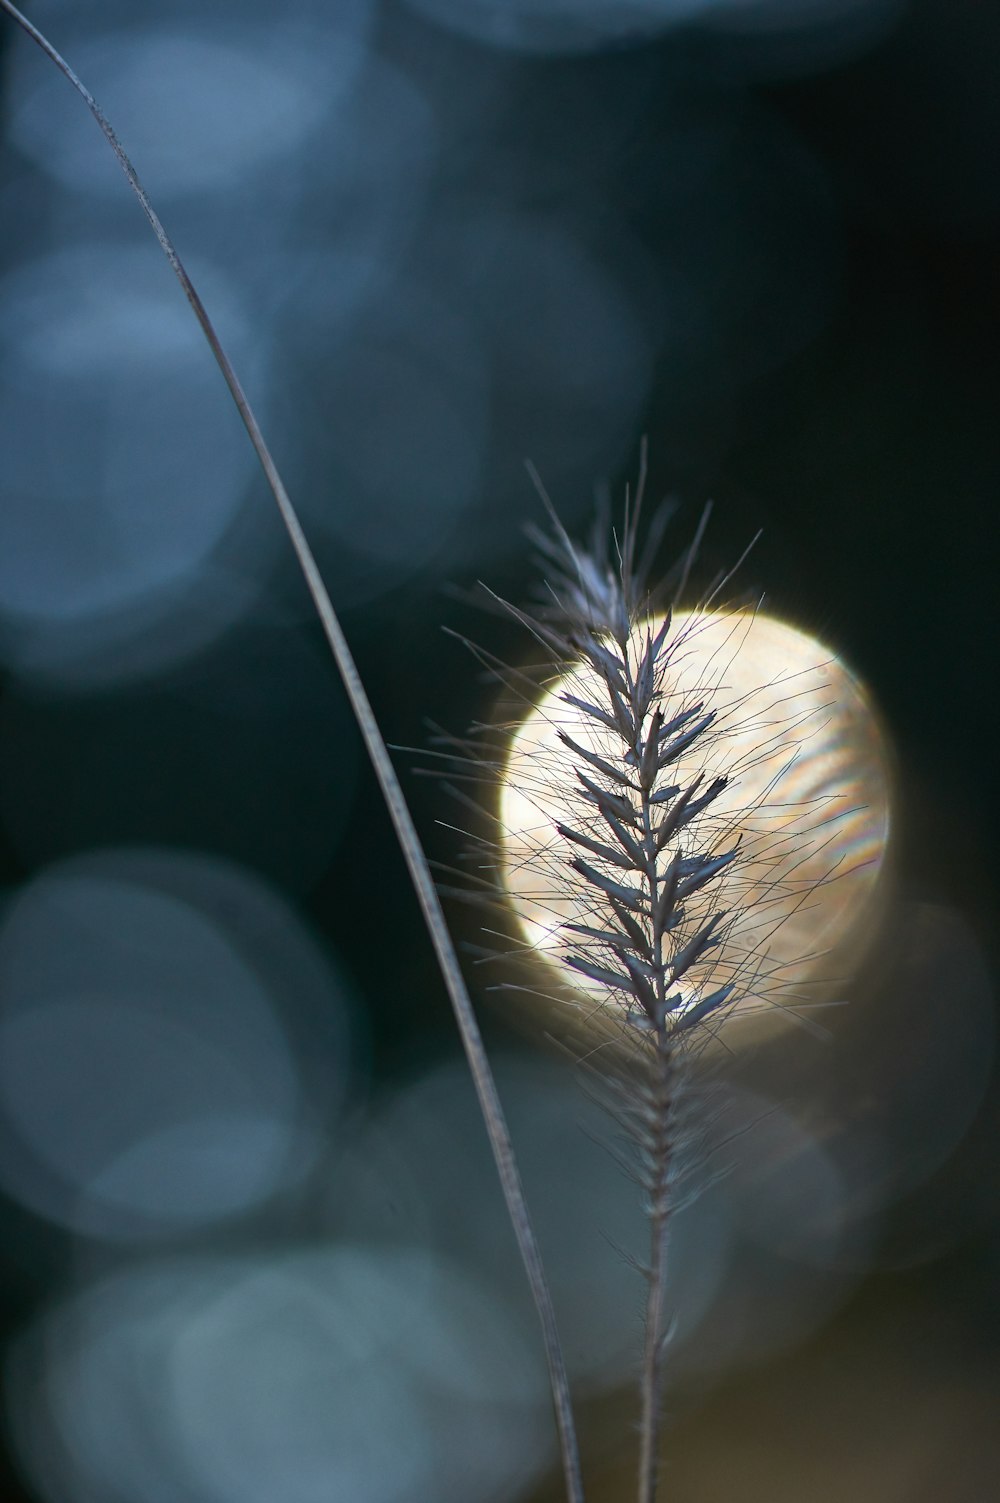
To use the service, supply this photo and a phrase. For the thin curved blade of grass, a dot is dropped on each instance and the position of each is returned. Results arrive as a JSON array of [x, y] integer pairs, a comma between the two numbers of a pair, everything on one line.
[[399, 813]]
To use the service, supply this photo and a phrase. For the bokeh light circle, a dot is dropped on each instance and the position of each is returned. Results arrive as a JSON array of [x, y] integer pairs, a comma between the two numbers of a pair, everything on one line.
[[149, 1083], [253, 94], [304, 1373], [807, 799]]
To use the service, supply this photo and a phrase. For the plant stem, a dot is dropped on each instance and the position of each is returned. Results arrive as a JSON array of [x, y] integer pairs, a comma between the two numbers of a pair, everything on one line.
[[652, 1364], [661, 1159], [402, 821]]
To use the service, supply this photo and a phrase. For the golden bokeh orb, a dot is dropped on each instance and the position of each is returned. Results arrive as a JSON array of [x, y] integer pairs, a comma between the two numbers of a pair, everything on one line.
[[807, 804]]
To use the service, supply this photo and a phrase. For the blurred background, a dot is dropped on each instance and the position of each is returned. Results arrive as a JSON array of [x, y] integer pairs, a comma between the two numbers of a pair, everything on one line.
[[252, 1245]]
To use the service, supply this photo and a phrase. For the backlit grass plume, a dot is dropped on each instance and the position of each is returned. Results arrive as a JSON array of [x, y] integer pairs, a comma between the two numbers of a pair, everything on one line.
[[639, 856], [688, 818], [716, 755]]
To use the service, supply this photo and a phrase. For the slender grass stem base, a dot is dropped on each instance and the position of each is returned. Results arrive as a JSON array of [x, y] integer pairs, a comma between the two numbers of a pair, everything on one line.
[[659, 1230]]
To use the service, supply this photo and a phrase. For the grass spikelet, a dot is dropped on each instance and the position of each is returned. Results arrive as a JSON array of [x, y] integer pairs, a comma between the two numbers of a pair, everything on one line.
[[642, 858], [687, 818]]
